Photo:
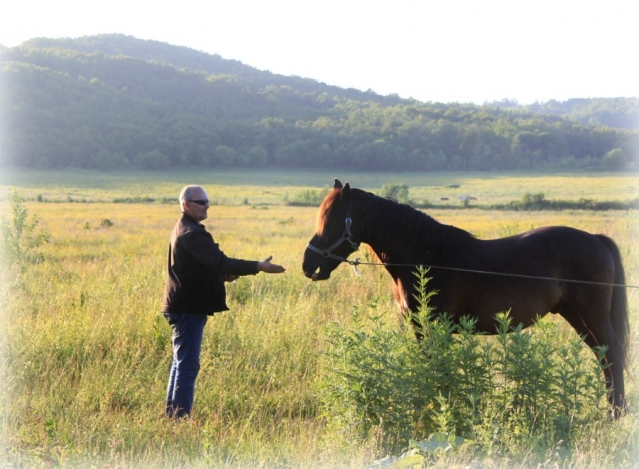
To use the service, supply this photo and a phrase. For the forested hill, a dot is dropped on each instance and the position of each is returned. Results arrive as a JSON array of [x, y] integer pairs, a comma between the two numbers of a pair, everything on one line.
[[612, 112], [114, 101], [186, 59]]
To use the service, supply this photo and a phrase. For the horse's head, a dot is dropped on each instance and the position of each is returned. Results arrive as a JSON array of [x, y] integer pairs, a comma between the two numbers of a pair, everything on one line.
[[334, 241]]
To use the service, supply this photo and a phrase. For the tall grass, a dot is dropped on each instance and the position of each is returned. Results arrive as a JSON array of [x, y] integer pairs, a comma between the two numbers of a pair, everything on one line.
[[500, 394], [86, 353]]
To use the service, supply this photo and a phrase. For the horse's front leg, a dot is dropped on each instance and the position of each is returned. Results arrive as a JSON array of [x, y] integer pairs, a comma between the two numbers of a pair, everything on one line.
[[407, 308]]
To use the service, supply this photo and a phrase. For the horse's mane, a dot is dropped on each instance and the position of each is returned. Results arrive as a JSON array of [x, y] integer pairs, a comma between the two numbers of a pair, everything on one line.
[[393, 219], [324, 210]]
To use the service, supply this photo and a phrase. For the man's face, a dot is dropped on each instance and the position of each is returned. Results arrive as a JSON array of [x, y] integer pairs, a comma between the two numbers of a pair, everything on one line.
[[197, 204]]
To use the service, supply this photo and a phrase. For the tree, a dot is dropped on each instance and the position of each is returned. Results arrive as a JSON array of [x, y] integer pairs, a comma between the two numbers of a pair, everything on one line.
[[224, 156], [256, 157], [614, 159], [107, 161], [151, 160], [65, 101]]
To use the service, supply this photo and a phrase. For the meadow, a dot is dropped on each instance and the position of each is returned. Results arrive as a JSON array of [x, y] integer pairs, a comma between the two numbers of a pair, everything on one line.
[[86, 352], [235, 186]]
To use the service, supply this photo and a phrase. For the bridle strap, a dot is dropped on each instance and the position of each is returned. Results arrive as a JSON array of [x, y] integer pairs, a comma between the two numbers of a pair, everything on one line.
[[346, 237], [326, 253]]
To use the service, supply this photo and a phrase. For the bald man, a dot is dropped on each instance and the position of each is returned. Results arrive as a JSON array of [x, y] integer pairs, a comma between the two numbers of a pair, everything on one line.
[[197, 270]]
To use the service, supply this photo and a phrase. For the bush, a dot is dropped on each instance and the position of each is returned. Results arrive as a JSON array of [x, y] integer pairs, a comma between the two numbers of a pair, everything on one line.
[[538, 201], [398, 192], [458, 382], [307, 198], [20, 236]]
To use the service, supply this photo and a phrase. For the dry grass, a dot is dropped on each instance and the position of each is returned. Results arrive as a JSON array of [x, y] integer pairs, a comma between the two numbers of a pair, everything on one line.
[[87, 354]]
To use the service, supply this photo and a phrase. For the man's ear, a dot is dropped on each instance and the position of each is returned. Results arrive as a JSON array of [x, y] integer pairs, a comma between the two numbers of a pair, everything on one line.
[[345, 196]]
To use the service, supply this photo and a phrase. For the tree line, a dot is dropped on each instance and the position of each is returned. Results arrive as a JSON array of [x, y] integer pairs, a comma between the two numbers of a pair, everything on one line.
[[115, 102]]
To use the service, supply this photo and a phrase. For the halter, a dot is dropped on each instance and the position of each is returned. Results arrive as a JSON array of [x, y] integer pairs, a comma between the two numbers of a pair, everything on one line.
[[346, 237]]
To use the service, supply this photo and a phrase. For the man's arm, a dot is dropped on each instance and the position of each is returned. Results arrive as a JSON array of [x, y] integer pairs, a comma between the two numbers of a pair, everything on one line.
[[266, 266], [205, 250]]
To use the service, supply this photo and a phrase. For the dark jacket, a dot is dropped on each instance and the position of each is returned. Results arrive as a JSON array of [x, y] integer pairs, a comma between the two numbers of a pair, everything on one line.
[[196, 268]]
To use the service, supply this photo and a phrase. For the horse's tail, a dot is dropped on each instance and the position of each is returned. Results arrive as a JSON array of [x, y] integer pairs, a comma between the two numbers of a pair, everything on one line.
[[619, 303]]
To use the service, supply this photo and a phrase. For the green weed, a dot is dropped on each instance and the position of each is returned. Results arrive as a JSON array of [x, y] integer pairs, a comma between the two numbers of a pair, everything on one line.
[[20, 234], [529, 385]]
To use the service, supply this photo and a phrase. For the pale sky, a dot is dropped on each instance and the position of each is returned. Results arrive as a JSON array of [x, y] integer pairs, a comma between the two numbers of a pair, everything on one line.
[[430, 50]]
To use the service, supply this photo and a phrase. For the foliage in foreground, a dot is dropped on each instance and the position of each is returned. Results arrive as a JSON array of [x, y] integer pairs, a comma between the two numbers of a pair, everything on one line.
[[528, 384], [20, 234], [85, 355]]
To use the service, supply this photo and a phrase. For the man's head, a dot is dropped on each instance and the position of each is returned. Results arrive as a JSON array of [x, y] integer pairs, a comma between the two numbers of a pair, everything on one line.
[[194, 202]]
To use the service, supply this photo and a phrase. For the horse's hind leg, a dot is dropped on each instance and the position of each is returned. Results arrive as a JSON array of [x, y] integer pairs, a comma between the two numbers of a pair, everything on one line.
[[598, 332]]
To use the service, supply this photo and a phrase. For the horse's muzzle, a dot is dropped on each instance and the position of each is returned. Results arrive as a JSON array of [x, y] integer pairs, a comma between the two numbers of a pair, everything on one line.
[[317, 274]]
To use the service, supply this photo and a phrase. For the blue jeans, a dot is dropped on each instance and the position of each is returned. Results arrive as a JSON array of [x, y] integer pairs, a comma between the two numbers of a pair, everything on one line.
[[187, 344]]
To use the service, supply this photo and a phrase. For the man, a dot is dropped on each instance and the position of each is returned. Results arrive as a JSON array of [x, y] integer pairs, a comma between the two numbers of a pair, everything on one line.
[[197, 269]]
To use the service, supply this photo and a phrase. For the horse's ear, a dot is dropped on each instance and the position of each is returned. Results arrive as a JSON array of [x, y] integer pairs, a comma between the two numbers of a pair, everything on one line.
[[346, 193], [338, 184]]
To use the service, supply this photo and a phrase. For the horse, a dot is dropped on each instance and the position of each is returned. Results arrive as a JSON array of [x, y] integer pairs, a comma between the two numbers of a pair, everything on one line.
[[556, 269]]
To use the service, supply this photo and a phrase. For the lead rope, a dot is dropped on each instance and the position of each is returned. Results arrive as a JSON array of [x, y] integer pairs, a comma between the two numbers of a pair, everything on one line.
[[357, 262], [348, 236]]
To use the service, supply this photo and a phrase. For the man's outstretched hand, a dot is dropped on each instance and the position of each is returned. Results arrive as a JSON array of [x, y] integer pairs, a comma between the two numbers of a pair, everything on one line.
[[266, 266]]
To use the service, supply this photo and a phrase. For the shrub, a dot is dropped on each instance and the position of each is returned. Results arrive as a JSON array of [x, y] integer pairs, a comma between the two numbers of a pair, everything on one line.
[[397, 192], [531, 202], [20, 236], [308, 198], [536, 201], [458, 382]]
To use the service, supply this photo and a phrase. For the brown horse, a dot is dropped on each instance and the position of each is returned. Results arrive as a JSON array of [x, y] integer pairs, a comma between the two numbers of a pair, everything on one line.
[[553, 269]]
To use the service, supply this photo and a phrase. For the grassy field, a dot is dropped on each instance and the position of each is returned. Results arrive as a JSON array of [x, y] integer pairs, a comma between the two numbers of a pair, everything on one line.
[[269, 187], [86, 354]]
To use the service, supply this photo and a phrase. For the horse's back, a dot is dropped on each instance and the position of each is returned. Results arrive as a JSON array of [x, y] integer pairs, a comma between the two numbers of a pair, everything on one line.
[[552, 249], [530, 274]]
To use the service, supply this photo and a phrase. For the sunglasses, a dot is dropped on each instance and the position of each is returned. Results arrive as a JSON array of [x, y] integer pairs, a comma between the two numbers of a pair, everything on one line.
[[199, 201]]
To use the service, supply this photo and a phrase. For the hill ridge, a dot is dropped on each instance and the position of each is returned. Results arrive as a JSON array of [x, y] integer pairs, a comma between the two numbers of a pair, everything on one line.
[[112, 101]]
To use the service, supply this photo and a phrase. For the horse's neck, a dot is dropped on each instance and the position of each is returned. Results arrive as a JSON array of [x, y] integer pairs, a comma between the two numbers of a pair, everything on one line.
[[401, 238], [385, 234]]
